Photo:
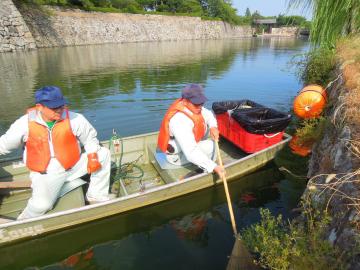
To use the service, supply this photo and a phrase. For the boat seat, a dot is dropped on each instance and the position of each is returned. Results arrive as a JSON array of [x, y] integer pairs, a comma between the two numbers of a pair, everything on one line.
[[172, 173], [71, 196], [160, 157]]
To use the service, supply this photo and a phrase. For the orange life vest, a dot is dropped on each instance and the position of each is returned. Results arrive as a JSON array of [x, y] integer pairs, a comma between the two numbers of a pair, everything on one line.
[[180, 105], [65, 145]]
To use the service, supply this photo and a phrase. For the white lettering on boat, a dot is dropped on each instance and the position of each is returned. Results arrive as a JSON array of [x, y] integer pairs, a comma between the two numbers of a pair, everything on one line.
[[6, 235]]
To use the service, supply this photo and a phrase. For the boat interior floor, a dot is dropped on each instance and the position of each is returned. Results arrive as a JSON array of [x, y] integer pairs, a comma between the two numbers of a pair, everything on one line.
[[154, 175]]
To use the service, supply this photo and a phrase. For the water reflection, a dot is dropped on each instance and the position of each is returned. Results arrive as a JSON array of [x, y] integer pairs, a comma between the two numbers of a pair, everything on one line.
[[118, 84]]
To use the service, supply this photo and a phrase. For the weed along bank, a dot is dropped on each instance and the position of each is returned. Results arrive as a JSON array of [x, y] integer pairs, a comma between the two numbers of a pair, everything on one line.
[[325, 235]]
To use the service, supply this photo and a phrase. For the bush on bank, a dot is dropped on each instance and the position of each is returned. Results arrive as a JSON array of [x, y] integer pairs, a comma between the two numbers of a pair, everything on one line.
[[281, 245], [316, 66]]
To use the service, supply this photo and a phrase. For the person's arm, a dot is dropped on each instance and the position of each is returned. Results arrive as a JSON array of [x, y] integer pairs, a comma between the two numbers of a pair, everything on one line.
[[15, 136], [209, 118], [181, 128], [211, 122], [85, 132]]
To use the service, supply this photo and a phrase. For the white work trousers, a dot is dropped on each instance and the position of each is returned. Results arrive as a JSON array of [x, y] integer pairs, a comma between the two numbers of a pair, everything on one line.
[[46, 187], [178, 158]]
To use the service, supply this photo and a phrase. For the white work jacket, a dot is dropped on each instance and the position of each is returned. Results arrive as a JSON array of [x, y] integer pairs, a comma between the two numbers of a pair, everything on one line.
[[181, 128], [18, 133]]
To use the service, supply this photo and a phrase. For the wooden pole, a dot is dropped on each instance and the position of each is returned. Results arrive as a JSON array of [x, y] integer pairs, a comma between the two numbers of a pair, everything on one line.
[[16, 184], [240, 257], [232, 218]]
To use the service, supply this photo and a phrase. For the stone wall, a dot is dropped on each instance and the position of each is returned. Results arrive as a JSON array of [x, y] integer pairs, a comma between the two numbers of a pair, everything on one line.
[[14, 34], [60, 27], [284, 31], [333, 171], [26, 28]]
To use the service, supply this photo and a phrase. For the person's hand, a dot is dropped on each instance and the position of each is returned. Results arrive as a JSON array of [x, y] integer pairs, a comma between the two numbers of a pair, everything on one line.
[[220, 171], [214, 134], [93, 164]]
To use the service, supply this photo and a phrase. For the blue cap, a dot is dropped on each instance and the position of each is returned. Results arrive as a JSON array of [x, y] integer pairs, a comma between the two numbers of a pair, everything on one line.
[[194, 93], [50, 96]]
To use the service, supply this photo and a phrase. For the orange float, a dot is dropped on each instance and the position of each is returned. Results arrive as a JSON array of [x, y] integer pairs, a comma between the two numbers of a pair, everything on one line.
[[310, 102], [299, 149]]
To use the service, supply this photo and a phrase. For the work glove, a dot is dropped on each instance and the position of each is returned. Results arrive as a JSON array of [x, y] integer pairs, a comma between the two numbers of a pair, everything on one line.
[[93, 163]]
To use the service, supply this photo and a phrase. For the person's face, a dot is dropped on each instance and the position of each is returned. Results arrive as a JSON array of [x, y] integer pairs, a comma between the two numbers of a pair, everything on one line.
[[50, 114]]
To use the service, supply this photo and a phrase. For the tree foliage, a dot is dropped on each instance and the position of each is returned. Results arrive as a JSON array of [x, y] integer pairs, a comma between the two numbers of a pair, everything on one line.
[[331, 19], [221, 9], [247, 12], [283, 20]]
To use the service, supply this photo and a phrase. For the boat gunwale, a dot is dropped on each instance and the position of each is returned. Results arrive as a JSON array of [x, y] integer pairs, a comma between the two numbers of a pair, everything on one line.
[[137, 194]]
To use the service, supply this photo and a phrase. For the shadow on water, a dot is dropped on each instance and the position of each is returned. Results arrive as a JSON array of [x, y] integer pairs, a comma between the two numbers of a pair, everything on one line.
[[188, 232]]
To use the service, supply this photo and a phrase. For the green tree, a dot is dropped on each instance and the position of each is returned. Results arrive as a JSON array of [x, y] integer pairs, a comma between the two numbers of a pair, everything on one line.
[[290, 20], [247, 12], [191, 6], [256, 15], [331, 19], [223, 10]]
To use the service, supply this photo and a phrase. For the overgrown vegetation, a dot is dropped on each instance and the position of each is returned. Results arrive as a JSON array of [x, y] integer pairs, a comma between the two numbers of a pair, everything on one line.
[[304, 243], [291, 245], [316, 66], [348, 53]]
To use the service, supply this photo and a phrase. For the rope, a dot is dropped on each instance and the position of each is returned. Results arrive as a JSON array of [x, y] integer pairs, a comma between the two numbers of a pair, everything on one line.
[[283, 169], [333, 81], [122, 170]]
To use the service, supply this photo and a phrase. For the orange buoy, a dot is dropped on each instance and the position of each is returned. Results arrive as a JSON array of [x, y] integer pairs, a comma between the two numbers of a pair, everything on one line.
[[299, 149], [310, 102]]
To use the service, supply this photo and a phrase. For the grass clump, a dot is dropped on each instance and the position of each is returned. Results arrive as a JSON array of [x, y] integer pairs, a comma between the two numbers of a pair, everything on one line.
[[349, 56]]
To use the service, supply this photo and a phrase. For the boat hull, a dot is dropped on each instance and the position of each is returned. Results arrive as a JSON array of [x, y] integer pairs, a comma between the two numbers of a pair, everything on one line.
[[16, 231]]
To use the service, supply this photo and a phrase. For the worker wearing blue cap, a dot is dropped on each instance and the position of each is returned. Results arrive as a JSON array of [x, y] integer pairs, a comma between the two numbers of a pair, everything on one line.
[[184, 129], [52, 136]]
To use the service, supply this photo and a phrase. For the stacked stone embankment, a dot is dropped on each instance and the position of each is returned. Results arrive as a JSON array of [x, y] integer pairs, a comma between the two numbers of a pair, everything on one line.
[[76, 27], [14, 33], [26, 27], [285, 31], [334, 170]]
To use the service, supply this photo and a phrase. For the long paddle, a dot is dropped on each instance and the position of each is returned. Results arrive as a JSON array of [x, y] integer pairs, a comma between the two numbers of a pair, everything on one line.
[[233, 224], [240, 257]]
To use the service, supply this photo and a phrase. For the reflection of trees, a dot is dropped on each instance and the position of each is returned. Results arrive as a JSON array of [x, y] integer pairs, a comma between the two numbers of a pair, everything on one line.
[[89, 82]]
